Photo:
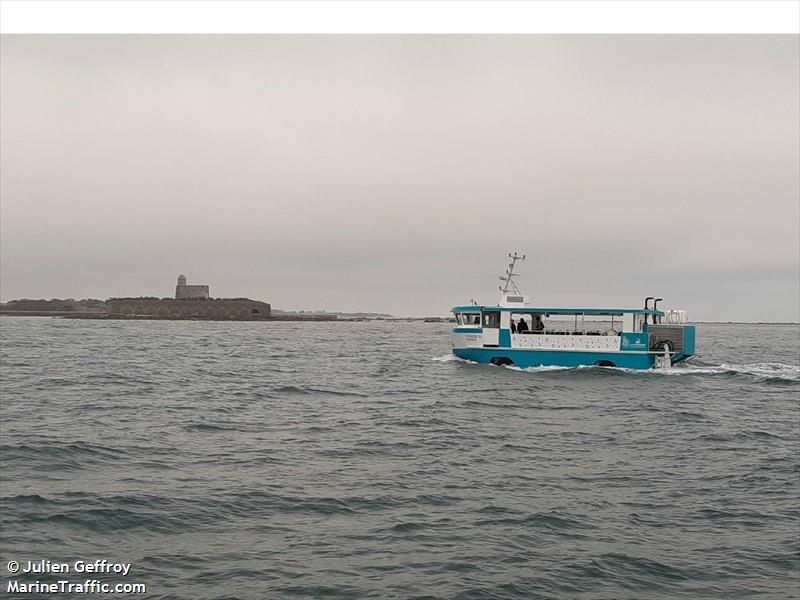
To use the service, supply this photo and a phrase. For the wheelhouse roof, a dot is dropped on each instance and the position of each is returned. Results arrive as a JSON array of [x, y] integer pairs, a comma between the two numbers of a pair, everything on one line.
[[559, 311]]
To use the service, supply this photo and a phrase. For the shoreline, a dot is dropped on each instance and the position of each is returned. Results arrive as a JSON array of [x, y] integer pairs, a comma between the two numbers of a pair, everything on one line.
[[282, 317], [107, 317], [272, 319]]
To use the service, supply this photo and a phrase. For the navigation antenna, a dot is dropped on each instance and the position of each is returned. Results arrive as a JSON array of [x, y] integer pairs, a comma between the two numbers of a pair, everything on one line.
[[508, 278]]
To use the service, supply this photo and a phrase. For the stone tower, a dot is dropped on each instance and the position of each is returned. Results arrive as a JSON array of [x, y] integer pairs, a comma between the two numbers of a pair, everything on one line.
[[190, 292]]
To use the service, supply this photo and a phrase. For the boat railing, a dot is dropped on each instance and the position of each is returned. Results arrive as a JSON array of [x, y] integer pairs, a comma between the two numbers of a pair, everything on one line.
[[565, 332]]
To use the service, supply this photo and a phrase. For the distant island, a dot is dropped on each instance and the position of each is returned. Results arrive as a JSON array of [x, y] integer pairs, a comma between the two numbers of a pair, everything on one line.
[[147, 307], [88, 305], [191, 302], [142, 307]]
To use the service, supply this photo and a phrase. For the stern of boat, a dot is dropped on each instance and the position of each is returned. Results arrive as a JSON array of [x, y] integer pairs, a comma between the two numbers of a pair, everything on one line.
[[677, 341]]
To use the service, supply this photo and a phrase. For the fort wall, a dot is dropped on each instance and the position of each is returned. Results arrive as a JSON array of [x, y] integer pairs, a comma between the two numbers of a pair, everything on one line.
[[167, 308]]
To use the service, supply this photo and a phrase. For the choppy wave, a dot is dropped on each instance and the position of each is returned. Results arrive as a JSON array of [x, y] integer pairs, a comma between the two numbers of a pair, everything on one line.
[[759, 371], [327, 465], [309, 390], [766, 370]]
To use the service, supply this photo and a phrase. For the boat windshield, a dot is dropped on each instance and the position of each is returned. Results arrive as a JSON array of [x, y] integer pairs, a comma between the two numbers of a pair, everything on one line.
[[468, 319]]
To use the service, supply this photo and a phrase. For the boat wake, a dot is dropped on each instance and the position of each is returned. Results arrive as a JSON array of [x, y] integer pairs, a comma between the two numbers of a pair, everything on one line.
[[543, 368], [765, 371], [451, 358], [761, 371]]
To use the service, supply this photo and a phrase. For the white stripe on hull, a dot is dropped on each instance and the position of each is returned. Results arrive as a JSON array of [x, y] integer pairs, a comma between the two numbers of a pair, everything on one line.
[[580, 343]]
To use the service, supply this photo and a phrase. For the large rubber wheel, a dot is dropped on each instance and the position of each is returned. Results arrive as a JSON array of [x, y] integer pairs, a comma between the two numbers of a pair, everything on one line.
[[501, 361]]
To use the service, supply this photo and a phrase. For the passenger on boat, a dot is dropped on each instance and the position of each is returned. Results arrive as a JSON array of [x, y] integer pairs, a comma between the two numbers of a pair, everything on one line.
[[538, 324], [513, 326], [522, 326]]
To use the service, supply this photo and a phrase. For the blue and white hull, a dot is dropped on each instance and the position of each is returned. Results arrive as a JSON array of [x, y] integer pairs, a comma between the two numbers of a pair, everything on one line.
[[515, 333], [653, 345]]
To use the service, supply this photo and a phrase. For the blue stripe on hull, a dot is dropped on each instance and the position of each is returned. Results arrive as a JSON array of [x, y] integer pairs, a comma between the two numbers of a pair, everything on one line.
[[505, 338], [539, 358]]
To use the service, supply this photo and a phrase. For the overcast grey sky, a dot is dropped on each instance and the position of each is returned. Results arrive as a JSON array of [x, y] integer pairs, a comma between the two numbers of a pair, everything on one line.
[[394, 173]]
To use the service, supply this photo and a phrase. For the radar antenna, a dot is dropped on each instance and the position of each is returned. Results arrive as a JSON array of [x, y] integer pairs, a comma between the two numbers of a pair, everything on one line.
[[508, 278]]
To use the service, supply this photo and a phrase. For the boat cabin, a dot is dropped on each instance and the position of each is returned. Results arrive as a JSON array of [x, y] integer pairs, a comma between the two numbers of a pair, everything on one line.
[[515, 333], [577, 330]]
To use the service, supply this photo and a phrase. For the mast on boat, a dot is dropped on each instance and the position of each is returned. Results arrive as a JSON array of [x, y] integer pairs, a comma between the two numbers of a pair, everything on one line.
[[508, 279], [509, 291]]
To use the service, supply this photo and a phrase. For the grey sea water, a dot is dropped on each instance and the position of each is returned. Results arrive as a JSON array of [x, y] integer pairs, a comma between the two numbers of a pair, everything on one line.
[[359, 460]]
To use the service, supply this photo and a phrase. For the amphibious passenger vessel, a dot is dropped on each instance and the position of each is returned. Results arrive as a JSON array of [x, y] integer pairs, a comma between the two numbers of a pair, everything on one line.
[[514, 332]]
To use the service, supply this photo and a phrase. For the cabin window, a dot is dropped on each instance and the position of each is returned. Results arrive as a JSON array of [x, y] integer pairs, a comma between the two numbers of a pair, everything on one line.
[[468, 319], [491, 319], [458, 319], [582, 324], [533, 322]]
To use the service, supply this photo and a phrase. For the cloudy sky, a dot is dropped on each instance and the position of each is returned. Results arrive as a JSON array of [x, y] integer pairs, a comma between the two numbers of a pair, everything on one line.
[[395, 173]]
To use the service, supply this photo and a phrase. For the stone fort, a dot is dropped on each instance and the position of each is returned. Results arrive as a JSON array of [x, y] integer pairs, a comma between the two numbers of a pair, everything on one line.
[[190, 292], [190, 302]]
